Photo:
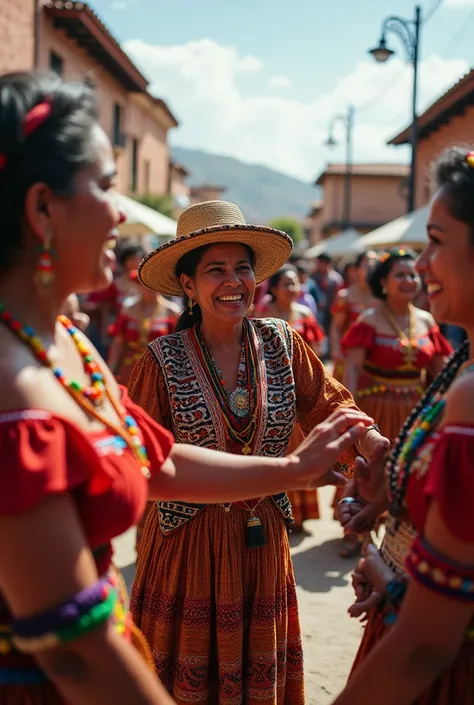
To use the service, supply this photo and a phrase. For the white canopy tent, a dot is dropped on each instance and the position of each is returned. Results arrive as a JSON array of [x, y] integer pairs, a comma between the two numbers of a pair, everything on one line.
[[408, 230], [336, 246], [142, 220]]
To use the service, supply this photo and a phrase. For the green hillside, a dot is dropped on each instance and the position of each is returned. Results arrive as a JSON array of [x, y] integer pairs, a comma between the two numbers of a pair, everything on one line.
[[261, 193]]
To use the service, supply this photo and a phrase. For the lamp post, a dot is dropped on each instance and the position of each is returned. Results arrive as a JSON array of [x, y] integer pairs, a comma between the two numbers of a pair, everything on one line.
[[348, 121], [409, 33]]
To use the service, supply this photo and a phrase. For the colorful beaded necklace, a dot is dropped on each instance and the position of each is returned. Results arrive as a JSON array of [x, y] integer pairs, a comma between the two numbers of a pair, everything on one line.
[[95, 393], [423, 427], [128, 430]]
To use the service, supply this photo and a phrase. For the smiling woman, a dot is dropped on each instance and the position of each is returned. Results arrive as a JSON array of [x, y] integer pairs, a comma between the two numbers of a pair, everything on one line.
[[215, 591], [418, 593], [393, 348]]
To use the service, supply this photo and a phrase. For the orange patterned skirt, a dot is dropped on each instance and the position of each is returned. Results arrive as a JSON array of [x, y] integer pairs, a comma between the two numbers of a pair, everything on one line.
[[221, 619], [388, 401]]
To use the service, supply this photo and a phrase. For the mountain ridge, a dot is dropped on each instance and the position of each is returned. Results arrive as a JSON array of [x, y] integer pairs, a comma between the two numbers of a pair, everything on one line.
[[261, 193]]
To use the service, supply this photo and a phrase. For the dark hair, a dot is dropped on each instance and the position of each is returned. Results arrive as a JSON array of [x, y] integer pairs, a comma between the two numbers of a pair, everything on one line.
[[359, 259], [383, 268], [128, 251], [188, 265], [454, 174], [440, 385], [324, 257], [276, 278], [53, 153]]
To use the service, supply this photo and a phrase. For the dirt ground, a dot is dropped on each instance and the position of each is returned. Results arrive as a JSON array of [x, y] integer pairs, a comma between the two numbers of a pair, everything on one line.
[[324, 593]]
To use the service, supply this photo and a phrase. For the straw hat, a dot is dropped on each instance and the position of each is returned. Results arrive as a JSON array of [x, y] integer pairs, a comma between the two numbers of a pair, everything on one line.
[[210, 223]]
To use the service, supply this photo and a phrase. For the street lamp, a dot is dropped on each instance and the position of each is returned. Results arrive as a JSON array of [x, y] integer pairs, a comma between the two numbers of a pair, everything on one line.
[[348, 121], [409, 33]]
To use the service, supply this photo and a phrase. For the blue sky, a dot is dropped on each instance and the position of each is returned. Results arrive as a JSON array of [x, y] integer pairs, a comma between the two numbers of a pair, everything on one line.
[[261, 79]]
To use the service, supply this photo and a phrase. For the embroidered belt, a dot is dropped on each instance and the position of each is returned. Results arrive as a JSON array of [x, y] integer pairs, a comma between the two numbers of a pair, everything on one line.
[[173, 515], [396, 545], [402, 375]]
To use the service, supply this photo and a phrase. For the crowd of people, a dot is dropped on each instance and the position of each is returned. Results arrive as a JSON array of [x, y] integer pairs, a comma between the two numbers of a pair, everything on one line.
[[211, 426]]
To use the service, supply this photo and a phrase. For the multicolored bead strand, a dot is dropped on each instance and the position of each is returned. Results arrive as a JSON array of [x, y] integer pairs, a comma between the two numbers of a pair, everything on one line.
[[423, 427], [88, 398], [95, 393]]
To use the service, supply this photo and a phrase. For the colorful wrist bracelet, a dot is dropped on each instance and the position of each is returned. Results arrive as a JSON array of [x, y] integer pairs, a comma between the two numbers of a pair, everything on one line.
[[71, 620], [396, 590]]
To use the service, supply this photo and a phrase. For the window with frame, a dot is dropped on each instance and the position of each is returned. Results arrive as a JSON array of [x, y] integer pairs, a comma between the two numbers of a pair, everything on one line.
[[56, 63]]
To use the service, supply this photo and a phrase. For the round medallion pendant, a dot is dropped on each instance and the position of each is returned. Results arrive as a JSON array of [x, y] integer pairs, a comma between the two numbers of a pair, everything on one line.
[[240, 402]]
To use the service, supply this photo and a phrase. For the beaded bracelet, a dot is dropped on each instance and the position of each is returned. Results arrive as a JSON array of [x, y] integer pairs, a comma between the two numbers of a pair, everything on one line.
[[81, 614], [395, 592], [439, 573]]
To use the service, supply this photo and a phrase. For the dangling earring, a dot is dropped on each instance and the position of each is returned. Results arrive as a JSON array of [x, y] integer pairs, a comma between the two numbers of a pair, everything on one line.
[[44, 275], [384, 291], [190, 306]]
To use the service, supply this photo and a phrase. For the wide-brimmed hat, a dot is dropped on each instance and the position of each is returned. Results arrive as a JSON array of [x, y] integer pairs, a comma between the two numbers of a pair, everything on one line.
[[210, 223]]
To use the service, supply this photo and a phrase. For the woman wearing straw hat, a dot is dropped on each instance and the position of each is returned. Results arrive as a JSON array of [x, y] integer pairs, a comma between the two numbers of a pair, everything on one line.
[[215, 592]]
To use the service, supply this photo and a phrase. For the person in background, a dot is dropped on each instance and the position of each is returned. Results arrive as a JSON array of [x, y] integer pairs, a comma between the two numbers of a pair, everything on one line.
[[391, 348], [346, 309], [72, 310], [284, 289], [348, 305], [350, 274], [103, 307], [311, 294], [144, 317], [329, 282]]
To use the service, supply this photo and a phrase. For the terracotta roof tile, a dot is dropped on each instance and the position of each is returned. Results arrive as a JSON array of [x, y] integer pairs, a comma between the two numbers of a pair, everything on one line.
[[377, 169]]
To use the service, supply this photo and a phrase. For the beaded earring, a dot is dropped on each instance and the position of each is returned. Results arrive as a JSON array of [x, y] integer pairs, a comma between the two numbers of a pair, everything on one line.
[[191, 306], [44, 275]]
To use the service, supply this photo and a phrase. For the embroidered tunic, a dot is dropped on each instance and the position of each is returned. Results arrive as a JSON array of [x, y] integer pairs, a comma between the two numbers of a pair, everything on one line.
[[222, 618]]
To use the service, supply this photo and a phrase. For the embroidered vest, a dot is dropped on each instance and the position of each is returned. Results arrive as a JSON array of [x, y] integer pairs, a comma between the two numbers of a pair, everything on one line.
[[197, 418]]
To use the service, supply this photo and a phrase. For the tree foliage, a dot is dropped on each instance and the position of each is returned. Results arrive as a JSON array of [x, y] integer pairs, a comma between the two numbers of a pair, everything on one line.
[[290, 226], [161, 203]]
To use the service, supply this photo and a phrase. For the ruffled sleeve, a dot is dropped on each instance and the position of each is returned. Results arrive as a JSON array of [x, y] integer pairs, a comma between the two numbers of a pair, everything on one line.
[[42, 455], [441, 345], [450, 479], [313, 331], [119, 326], [359, 335], [147, 388], [340, 303], [318, 394]]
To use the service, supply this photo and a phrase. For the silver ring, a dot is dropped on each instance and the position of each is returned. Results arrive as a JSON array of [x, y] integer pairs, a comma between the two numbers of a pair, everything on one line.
[[348, 500]]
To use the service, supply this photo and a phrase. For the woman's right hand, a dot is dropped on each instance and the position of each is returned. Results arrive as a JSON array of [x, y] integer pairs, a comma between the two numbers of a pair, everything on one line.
[[358, 516], [369, 580], [312, 460]]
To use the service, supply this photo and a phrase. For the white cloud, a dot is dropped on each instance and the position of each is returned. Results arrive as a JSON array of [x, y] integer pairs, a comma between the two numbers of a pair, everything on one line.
[[459, 3], [204, 83], [122, 4], [279, 82]]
